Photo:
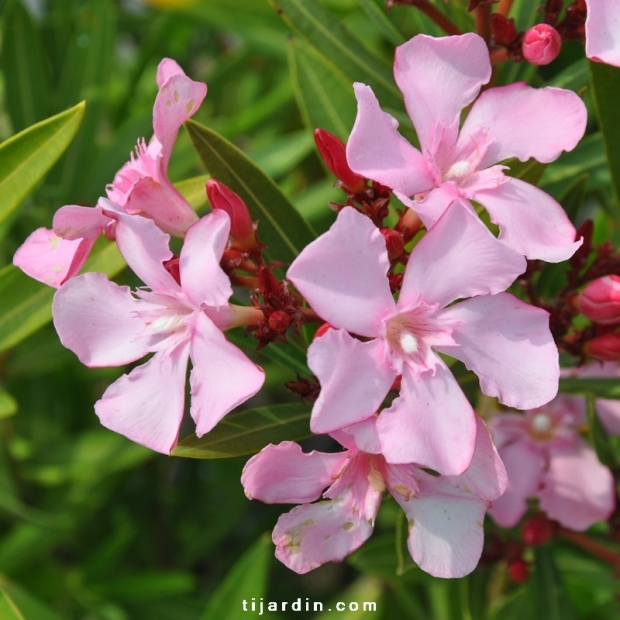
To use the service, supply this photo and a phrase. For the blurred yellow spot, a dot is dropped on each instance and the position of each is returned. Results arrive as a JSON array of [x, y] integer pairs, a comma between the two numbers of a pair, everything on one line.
[[168, 4]]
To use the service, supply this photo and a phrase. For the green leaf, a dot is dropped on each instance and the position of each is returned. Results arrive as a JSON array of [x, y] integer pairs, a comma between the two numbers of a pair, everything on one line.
[[330, 39], [8, 405], [23, 68], [281, 228], [146, 586], [245, 581], [16, 604], [193, 190], [603, 388], [324, 95], [382, 21], [573, 198], [360, 601], [598, 434], [529, 171], [606, 88], [248, 432], [26, 157]]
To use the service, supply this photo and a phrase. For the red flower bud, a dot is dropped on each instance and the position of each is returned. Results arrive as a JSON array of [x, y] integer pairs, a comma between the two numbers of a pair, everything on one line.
[[503, 29], [322, 330], [537, 530], [518, 570], [605, 347], [241, 227], [394, 242], [600, 300], [408, 225], [333, 152], [279, 321], [172, 266], [541, 44]]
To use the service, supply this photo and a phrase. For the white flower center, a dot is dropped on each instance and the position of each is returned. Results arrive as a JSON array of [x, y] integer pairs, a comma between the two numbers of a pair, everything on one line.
[[167, 324], [457, 170], [541, 423], [408, 343]]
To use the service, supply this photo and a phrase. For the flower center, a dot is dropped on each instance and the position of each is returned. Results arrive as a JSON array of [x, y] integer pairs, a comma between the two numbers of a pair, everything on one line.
[[458, 170], [167, 324], [542, 426]]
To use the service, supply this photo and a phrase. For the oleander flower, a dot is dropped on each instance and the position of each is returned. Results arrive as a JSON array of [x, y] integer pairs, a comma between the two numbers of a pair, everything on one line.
[[603, 31], [439, 77]]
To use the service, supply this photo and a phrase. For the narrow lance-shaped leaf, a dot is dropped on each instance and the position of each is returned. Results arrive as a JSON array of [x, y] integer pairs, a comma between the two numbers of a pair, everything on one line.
[[16, 604], [281, 228], [248, 432], [26, 157], [603, 388], [598, 435], [326, 35]]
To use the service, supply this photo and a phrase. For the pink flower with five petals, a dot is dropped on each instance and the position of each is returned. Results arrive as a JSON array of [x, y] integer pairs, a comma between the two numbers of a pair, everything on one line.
[[603, 31]]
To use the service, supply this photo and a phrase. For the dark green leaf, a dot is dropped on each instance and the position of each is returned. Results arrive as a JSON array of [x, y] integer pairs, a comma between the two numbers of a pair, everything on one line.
[[280, 227], [382, 21], [603, 388], [529, 171], [573, 198], [8, 405], [323, 31], [598, 434], [16, 604], [248, 432], [146, 586]]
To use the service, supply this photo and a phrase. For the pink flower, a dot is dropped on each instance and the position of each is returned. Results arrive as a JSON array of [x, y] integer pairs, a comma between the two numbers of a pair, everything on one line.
[[445, 513], [343, 275], [141, 186], [439, 78], [106, 325], [545, 457], [600, 300], [541, 44], [603, 31]]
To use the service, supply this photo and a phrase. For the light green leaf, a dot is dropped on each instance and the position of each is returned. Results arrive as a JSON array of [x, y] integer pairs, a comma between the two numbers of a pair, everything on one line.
[[16, 604], [324, 95], [598, 434], [280, 226], [248, 432], [26, 157], [361, 601], [193, 190], [8, 405], [529, 171], [603, 388], [245, 581], [382, 21], [330, 39]]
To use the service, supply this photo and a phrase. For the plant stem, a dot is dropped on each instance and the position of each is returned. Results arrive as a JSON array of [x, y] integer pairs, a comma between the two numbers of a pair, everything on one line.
[[434, 13], [483, 21], [504, 7], [595, 548]]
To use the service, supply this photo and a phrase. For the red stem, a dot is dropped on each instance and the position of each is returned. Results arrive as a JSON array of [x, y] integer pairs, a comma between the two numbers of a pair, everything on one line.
[[504, 7], [483, 21], [435, 14], [595, 548]]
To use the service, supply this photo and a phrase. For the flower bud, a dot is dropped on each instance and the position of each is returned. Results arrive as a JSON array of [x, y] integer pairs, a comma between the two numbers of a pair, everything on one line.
[[605, 347], [541, 44], [503, 29], [537, 530], [518, 570], [394, 243], [600, 300], [279, 321], [334, 154], [241, 227]]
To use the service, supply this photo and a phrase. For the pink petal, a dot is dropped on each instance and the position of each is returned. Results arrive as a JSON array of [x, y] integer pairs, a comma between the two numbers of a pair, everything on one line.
[[507, 343], [458, 258], [445, 526], [202, 278], [222, 378], [531, 222], [524, 467], [283, 474], [523, 122], [354, 379], [361, 436], [51, 259], [166, 69], [439, 77], [147, 404], [163, 204], [73, 222], [343, 275], [609, 413], [98, 321], [431, 423], [486, 475], [377, 151], [603, 31], [577, 490], [178, 99], [434, 204]]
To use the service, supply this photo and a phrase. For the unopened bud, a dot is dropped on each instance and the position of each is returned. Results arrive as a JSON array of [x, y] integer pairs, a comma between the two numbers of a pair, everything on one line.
[[334, 154], [408, 225], [172, 266], [518, 570], [605, 347], [241, 227], [541, 44], [600, 300], [537, 530], [279, 321], [503, 29], [393, 242]]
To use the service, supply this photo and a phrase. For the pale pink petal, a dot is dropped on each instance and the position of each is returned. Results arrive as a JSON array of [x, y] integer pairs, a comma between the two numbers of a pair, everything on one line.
[[166, 69], [445, 525], [343, 275], [431, 423], [377, 151], [73, 222], [360, 436], [177, 101], [577, 490], [147, 404], [523, 122], [98, 320], [439, 77], [202, 278], [283, 474], [458, 258], [507, 343], [50, 259], [486, 475], [507, 428], [144, 247], [222, 377], [434, 204], [530, 221], [163, 204], [603, 31], [524, 468], [354, 379]]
